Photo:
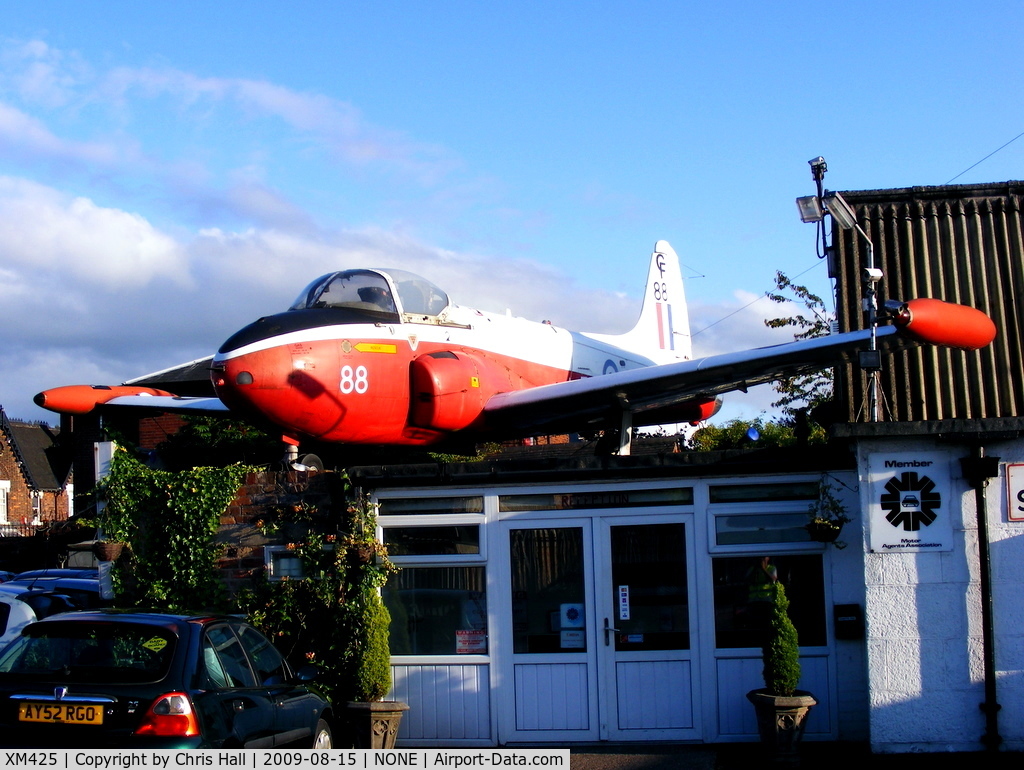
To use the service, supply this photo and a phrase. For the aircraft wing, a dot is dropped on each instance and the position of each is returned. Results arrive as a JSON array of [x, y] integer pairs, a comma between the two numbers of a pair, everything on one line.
[[173, 404], [184, 389], [189, 379], [599, 401]]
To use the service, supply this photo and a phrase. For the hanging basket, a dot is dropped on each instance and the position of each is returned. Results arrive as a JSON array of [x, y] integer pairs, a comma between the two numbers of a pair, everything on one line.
[[824, 531], [107, 550], [360, 554]]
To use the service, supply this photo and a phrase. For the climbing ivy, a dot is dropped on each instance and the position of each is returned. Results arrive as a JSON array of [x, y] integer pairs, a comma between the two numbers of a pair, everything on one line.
[[333, 617], [168, 520]]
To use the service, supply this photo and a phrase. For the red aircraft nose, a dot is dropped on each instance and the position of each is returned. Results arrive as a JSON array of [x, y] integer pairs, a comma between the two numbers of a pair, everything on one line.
[[292, 388]]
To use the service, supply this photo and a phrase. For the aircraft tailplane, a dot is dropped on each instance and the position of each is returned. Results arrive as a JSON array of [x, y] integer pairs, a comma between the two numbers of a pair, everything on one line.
[[663, 330]]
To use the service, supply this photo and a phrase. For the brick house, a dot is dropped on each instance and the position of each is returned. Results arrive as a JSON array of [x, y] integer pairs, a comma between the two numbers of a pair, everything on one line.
[[35, 477]]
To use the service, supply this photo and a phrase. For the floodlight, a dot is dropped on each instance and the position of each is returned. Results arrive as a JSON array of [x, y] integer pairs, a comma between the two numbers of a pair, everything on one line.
[[810, 209], [841, 211]]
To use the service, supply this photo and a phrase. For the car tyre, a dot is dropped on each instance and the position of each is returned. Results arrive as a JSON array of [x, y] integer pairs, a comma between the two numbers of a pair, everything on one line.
[[322, 737]]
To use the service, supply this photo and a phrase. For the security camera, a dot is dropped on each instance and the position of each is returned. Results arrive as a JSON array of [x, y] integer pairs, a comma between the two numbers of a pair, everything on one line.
[[872, 275]]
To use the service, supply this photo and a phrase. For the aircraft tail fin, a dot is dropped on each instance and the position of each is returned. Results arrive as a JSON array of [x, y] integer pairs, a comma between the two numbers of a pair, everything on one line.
[[663, 330]]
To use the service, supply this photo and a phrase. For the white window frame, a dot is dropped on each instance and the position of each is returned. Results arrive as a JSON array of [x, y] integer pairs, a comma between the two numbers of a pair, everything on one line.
[[5, 493], [276, 576]]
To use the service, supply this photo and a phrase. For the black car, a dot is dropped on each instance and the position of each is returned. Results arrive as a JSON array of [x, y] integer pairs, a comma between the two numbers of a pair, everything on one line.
[[112, 679]]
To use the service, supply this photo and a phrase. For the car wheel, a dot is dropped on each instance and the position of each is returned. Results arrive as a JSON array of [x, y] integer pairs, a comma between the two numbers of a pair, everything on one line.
[[322, 738]]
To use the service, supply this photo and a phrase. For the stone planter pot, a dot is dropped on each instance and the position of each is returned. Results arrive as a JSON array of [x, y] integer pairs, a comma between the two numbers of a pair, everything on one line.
[[374, 724], [780, 722]]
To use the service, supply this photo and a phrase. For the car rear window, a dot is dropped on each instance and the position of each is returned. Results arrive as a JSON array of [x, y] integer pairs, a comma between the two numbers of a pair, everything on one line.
[[113, 653]]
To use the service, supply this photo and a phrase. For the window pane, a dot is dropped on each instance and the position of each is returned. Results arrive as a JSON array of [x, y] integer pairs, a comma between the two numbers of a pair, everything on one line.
[[427, 505], [84, 651], [266, 660], [430, 541], [749, 493], [285, 565], [649, 587], [741, 608], [437, 611], [232, 657], [633, 498], [547, 590], [761, 528]]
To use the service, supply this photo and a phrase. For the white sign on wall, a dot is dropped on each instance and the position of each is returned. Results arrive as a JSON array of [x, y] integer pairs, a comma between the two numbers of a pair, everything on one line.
[[1015, 491], [909, 508]]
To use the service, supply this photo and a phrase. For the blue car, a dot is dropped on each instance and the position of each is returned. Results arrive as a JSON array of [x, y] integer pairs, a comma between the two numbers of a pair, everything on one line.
[[114, 679]]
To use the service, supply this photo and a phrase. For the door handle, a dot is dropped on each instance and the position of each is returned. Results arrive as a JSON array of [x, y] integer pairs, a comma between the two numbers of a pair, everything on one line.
[[608, 630]]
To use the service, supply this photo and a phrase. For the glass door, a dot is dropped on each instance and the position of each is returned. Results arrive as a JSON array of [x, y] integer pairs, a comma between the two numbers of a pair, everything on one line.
[[600, 629], [648, 664], [551, 670]]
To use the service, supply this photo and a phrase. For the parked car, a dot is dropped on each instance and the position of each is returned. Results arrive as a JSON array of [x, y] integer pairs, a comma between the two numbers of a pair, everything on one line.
[[81, 586], [5, 575], [115, 679], [57, 572], [21, 605]]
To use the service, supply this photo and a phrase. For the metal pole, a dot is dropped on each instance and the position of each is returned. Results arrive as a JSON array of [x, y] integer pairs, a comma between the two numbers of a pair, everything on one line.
[[978, 469]]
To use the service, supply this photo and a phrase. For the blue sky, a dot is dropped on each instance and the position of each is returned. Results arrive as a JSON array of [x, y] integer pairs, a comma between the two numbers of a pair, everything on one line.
[[171, 171]]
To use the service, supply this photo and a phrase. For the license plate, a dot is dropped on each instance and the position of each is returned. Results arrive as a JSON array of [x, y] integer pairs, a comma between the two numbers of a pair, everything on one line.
[[61, 713]]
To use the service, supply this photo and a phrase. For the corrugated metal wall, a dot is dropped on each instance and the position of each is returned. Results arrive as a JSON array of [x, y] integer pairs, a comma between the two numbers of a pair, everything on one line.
[[962, 243]]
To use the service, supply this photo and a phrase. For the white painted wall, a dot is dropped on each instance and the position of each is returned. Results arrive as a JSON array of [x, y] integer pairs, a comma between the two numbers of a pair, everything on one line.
[[924, 621]]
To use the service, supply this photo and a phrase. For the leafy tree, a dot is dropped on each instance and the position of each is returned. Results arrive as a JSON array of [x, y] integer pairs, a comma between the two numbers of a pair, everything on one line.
[[218, 442], [735, 434], [804, 392]]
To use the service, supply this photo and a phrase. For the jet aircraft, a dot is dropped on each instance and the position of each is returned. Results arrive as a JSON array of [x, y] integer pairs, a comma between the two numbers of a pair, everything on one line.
[[384, 357]]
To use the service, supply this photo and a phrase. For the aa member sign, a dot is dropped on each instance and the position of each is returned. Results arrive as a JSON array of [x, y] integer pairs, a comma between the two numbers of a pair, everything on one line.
[[909, 505]]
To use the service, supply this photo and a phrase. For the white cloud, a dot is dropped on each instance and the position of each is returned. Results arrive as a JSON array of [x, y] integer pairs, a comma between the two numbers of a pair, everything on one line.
[[23, 134], [41, 74], [335, 124], [63, 237]]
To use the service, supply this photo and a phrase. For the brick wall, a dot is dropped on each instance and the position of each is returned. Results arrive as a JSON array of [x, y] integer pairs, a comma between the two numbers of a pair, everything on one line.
[[157, 429], [259, 495], [19, 501]]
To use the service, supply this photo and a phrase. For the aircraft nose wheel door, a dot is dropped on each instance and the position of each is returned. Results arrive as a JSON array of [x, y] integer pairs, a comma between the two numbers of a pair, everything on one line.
[[601, 637], [648, 663]]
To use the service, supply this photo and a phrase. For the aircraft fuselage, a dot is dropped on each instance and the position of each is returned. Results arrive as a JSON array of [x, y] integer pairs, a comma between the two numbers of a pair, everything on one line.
[[369, 376]]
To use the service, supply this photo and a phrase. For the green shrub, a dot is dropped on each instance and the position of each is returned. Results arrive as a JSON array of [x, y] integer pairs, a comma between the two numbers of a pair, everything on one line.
[[373, 674], [169, 521], [781, 651]]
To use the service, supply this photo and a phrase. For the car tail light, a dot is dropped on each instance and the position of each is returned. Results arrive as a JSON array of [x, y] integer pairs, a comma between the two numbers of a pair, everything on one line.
[[170, 716]]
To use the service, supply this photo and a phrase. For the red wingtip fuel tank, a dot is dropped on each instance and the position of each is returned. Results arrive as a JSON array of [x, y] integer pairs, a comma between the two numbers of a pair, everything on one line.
[[943, 323], [82, 399]]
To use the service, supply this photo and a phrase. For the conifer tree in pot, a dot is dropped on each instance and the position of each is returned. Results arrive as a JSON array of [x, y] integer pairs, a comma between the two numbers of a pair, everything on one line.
[[374, 721], [781, 708]]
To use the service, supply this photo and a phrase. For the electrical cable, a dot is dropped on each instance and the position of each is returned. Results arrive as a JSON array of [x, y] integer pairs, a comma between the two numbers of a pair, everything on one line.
[[1018, 136]]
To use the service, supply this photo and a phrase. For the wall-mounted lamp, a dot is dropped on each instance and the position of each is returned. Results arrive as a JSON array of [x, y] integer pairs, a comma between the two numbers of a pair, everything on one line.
[[810, 209], [841, 211], [813, 208]]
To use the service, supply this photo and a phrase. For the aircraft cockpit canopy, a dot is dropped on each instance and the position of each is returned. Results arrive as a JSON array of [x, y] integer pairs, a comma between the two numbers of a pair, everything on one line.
[[372, 290]]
